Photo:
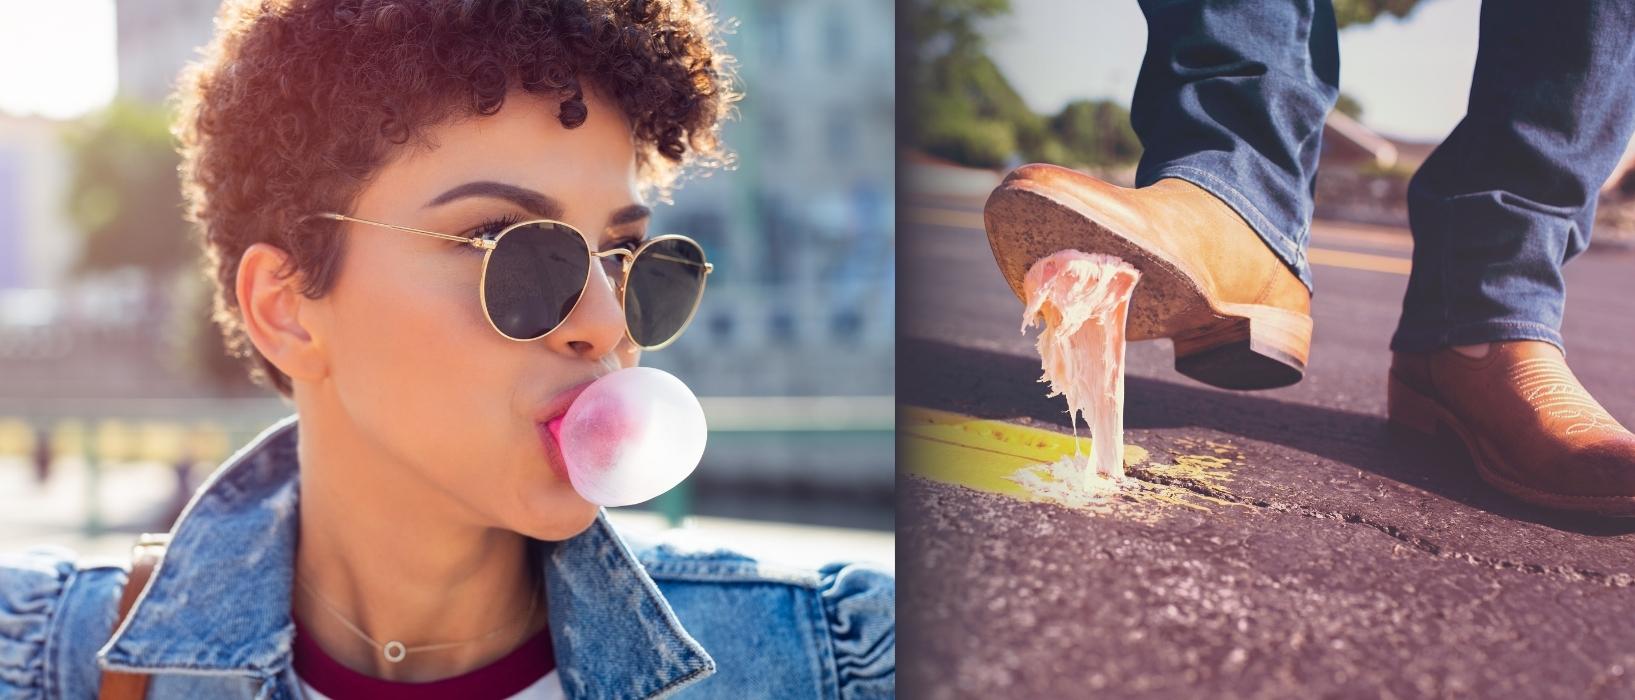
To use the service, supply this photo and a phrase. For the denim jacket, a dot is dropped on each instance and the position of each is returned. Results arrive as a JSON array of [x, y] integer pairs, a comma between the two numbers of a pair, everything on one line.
[[628, 619]]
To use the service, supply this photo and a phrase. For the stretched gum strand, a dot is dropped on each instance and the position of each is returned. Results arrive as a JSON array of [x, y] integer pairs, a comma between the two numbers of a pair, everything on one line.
[[1084, 300]]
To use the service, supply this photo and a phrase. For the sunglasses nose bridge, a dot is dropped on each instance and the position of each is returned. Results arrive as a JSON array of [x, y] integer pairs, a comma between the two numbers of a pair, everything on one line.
[[626, 259], [625, 255], [615, 278]]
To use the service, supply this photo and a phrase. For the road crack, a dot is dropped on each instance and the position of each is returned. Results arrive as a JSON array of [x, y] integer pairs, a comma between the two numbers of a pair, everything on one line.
[[1416, 542]]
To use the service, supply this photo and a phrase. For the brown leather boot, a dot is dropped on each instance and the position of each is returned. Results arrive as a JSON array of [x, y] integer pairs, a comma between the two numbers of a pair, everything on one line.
[[1530, 427], [1239, 317]]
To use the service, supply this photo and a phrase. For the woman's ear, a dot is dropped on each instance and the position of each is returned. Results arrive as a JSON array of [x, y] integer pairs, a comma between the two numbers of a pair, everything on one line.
[[272, 310]]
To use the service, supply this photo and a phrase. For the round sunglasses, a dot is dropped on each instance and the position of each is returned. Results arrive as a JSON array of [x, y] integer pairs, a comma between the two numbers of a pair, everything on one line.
[[535, 272]]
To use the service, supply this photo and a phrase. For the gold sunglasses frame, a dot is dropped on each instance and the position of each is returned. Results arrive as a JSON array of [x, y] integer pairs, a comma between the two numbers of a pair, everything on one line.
[[628, 259]]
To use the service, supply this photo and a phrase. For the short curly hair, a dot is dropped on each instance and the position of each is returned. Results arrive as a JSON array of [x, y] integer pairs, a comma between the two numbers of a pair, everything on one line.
[[296, 103]]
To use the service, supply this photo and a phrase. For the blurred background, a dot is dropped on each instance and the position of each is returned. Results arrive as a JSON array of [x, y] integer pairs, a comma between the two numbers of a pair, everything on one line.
[[995, 89], [116, 398]]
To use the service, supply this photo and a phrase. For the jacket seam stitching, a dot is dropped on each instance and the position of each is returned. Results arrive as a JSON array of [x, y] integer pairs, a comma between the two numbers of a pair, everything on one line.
[[831, 669], [48, 650], [677, 683], [729, 578]]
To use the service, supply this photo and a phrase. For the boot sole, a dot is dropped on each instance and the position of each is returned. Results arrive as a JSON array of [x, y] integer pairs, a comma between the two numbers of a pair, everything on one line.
[[1409, 412], [1231, 346]]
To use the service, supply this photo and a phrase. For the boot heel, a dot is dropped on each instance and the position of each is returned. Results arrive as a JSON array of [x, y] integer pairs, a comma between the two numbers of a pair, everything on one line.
[[1408, 411], [1257, 347]]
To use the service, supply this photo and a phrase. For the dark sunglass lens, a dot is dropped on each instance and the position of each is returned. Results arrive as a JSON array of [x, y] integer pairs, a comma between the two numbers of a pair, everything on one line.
[[535, 275], [666, 283]]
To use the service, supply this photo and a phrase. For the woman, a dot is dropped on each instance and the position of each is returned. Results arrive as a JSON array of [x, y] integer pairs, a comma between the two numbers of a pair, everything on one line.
[[358, 169]]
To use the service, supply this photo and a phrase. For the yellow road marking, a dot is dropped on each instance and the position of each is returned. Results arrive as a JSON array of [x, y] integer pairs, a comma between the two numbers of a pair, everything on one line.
[[958, 449], [1358, 261], [996, 457], [1377, 236], [1328, 257]]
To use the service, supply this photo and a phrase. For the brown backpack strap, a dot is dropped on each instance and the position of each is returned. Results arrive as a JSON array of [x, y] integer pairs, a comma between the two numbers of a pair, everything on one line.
[[149, 549]]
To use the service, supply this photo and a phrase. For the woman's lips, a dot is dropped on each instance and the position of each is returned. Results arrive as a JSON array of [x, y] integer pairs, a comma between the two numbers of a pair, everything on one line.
[[553, 449], [548, 422]]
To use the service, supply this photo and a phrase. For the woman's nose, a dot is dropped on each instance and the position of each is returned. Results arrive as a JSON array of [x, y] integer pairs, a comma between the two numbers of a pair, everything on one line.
[[596, 325]]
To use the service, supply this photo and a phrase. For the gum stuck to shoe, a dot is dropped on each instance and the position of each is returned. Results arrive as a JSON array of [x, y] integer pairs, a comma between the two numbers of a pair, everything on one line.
[[631, 435], [1084, 301]]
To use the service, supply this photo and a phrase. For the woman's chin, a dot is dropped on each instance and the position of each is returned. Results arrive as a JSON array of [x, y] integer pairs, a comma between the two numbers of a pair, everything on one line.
[[556, 512]]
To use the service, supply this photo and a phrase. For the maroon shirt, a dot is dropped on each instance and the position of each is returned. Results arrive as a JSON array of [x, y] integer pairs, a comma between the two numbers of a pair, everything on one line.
[[504, 678]]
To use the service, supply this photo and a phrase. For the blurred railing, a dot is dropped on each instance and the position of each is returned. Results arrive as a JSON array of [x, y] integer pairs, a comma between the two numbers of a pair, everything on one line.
[[834, 444]]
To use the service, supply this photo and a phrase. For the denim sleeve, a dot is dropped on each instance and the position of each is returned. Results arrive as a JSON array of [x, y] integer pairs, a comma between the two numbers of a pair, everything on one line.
[[860, 602], [31, 592], [55, 612]]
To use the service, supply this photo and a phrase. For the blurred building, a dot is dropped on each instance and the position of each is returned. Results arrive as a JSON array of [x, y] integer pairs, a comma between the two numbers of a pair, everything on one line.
[[802, 301], [155, 39], [37, 242]]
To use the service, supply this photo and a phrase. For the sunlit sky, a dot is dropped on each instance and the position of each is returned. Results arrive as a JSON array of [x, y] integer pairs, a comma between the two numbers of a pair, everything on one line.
[[1411, 75], [56, 56]]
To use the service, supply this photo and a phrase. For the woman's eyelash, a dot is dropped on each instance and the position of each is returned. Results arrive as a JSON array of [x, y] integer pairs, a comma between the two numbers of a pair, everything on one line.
[[628, 242], [492, 227]]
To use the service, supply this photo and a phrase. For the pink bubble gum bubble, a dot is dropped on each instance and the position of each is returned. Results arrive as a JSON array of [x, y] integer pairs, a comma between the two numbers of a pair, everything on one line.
[[630, 436]]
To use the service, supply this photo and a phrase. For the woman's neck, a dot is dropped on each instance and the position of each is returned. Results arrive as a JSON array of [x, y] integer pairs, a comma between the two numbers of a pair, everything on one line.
[[401, 562]]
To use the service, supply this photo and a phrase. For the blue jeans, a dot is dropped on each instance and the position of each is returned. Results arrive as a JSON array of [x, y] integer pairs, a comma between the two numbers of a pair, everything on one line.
[[1232, 95]]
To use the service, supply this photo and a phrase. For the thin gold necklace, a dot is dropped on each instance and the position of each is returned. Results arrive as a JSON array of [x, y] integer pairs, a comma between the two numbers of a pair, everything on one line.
[[393, 650]]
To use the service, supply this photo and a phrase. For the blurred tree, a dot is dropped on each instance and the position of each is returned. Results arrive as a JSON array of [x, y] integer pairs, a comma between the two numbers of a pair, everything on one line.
[[964, 108], [1356, 12], [968, 95], [1096, 132], [949, 27], [124, 195], [973, 142]]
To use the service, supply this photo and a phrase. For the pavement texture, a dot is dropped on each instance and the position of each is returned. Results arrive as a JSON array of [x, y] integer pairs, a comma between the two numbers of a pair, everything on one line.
[[1273, 544]]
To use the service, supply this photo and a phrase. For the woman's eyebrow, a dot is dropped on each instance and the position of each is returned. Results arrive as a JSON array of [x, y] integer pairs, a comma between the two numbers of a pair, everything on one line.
[[628, 215], [533, 202]]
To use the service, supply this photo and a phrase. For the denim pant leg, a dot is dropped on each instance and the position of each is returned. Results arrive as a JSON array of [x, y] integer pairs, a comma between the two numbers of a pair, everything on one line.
[[1231, 97], [1510, 195]]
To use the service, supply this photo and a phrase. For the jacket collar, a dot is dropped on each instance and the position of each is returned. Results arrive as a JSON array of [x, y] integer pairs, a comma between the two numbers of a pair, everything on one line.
[[218, 603]]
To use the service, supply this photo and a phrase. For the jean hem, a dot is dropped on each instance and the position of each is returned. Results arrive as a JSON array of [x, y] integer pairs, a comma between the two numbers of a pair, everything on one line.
[[1475, 334], [1287, 248]]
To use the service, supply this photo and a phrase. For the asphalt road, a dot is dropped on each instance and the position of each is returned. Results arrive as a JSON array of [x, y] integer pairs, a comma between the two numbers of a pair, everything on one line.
[[1336, 561]]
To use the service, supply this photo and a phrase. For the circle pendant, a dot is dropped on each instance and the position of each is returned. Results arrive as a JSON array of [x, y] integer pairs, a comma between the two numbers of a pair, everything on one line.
[[394, 651]]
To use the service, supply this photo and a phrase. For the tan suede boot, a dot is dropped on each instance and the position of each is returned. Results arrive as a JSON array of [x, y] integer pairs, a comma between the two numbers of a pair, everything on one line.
[[1239, 317], [1529, 425]]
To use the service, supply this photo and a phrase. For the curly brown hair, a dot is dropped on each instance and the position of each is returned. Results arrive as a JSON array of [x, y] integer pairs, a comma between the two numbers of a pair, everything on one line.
[[296, 103]]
